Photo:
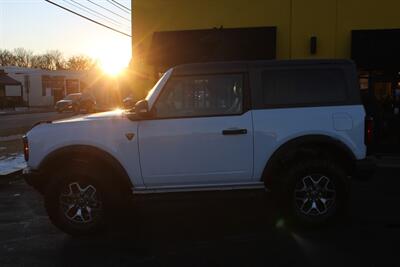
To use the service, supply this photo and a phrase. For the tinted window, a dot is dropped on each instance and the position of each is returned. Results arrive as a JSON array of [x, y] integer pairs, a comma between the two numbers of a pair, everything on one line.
[[293, 87], [193, 96]]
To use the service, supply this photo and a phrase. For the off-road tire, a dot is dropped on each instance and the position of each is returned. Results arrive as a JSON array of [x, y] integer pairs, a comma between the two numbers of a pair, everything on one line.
[[291, 191], [85, 177]]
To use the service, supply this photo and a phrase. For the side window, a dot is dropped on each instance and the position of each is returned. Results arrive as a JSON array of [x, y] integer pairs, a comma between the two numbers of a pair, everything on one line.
[[296, 87], [197, 96]]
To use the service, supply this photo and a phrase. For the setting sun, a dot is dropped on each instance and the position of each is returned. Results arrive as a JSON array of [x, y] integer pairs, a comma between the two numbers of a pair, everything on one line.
[[114, 65], [113, 56]]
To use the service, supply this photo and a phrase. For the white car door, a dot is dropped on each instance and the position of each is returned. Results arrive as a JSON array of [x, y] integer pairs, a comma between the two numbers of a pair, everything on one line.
[[201, 133]]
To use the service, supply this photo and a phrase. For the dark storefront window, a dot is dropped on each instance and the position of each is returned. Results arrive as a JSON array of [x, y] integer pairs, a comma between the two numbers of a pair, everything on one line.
[[72, 86], [377, 55], [171, 48], [2, 90], [381, 98]]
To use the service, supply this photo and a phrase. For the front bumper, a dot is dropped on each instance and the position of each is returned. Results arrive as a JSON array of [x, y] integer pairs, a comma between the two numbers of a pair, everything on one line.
[[34, 178], [365, 169]]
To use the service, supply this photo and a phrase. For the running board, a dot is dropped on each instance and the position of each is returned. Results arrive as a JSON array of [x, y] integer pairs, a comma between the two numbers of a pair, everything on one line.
[[173, 189]]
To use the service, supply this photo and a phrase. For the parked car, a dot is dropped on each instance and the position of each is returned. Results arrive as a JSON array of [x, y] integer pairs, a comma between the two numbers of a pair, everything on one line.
[[76, 102], [129, 102], [296, 128]]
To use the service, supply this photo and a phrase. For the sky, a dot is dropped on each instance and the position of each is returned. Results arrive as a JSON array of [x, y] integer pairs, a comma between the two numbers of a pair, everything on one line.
[[39, 26]]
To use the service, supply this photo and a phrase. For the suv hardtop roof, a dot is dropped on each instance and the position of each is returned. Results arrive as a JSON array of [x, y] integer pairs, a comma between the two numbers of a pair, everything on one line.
[[240, 66]]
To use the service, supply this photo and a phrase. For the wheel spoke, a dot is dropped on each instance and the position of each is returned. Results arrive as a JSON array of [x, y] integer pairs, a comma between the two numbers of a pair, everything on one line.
[[86, 214], [74, 188], [320, 207], [310, 206], [322, 181], [89, 191], [308, 181], [72, 211]]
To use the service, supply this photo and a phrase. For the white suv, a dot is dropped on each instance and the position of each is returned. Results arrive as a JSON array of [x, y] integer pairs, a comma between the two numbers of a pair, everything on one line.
[[294, 127]]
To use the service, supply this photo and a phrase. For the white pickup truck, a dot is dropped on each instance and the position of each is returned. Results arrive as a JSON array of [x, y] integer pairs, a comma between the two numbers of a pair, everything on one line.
[[297, 128]]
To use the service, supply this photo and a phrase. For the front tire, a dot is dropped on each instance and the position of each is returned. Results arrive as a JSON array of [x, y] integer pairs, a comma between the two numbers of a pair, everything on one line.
[[314, 192], [76, 202], [76, 109], [89, 108]]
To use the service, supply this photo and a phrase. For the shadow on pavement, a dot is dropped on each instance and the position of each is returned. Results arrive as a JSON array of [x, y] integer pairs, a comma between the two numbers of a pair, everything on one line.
[[207, 230]]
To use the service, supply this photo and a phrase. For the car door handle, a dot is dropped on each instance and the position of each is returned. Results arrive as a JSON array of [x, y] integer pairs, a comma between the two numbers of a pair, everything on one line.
[[234, 131]]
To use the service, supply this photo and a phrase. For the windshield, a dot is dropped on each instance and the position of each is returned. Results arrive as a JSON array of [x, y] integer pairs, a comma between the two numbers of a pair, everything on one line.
[[72, 97]]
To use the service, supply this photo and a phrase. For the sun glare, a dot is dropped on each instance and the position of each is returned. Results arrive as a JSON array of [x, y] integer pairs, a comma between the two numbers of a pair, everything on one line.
[[113, 55], [113, 65]]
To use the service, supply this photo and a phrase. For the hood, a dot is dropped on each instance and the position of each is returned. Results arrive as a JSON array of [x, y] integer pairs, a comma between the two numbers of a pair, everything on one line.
[[109, 115]]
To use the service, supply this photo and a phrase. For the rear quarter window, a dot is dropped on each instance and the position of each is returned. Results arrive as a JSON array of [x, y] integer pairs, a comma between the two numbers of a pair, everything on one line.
[[303, 87]]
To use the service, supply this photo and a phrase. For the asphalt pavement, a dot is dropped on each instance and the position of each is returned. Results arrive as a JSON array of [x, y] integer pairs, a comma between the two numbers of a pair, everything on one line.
[[207, 230], [201, 229], [19, 123]]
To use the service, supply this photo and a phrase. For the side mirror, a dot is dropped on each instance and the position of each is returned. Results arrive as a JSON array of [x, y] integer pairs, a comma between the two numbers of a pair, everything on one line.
[[142, 109]]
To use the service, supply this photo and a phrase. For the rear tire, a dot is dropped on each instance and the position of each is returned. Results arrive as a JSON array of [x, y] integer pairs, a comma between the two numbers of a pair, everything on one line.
[[76, 202], [314, 192]]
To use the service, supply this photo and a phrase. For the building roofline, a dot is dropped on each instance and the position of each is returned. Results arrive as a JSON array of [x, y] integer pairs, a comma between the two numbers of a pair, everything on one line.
[[7, 80], [233, 66]]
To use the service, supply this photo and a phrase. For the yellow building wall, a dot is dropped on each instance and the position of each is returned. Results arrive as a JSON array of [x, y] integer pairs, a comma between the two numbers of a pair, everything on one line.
[[166, 15], [331, 21], [364, 15], [313, 18]]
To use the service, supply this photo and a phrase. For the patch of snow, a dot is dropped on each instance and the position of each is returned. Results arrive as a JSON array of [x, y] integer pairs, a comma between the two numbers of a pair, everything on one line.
[[10, 137], [12, 163]]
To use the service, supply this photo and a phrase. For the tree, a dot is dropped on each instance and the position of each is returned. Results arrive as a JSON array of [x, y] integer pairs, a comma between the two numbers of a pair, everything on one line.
[[51, 60], [56, 59], [22, 57], [40, 62], [81, 63], [6, 58]]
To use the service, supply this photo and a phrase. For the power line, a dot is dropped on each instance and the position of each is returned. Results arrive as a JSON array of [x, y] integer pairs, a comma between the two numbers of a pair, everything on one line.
[[109, 10], [82, 16], [91, 13], [121, 5], [111, 2], [96, 12]]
